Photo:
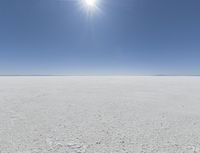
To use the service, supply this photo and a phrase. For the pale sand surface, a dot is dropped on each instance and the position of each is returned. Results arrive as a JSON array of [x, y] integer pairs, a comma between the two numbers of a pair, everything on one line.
[[100, 114]]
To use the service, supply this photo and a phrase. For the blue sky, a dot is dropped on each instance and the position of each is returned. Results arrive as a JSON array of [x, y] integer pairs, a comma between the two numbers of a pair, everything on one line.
[[139, 37]]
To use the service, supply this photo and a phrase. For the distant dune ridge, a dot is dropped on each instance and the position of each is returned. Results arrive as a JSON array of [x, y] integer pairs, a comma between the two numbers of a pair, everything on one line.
[[90, 114]]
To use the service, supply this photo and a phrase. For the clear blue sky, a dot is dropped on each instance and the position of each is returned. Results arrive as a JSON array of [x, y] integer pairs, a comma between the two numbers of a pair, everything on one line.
[[124, 37]]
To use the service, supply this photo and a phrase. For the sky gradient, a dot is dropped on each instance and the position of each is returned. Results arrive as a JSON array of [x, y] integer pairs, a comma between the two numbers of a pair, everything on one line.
[[125, 37]]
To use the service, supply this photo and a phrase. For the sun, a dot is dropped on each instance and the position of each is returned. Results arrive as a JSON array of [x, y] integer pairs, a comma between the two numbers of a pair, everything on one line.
[[90, 7], [91, 3]]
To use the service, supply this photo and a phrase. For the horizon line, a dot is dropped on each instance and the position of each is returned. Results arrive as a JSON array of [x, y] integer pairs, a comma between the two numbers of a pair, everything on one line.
[[13, 75]]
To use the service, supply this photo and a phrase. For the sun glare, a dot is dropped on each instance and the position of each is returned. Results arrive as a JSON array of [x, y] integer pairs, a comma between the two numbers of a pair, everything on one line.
[[90, 7], [90, 3]]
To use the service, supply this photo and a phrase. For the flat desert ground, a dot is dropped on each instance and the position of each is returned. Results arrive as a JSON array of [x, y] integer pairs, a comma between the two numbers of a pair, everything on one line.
[[88, 114]]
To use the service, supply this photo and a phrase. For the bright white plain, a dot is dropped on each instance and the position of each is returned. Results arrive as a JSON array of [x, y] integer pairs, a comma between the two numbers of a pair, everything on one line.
[[99, 114]]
